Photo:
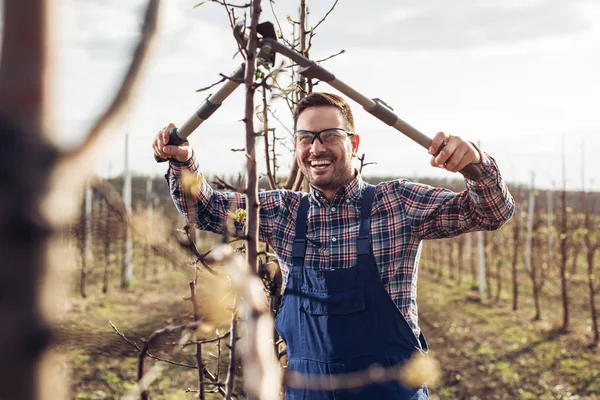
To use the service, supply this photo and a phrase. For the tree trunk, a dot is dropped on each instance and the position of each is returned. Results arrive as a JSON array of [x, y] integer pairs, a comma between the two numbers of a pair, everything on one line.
[[488, 271], [499, 264], [127, 266], [563, 265], [40, 190], [107, 261], [461, 258], [26, 162], [451, 259], [536, 302], [592, 290]]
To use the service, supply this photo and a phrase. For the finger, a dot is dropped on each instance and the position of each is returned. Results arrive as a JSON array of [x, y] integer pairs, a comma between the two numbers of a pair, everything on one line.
[[438, 140], [435, 164], [178, 152], [445, 153], [158, 151], [166, 133], [456, 159], [463, 163]]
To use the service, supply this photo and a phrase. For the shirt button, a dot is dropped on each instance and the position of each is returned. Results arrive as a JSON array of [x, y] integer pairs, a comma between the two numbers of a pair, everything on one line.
[[333, 239], [347, 200], [332, 209]]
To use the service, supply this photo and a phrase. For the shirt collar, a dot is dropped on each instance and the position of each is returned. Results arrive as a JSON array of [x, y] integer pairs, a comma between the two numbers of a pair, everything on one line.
[[351, 191]]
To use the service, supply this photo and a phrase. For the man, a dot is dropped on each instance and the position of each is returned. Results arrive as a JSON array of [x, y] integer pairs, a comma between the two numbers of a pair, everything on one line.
[[349, 251]]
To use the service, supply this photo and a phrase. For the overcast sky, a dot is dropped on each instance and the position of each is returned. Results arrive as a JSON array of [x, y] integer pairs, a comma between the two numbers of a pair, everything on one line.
[[518, 76]]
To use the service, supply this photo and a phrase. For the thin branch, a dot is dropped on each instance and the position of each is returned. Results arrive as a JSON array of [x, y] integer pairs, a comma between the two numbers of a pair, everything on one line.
[[223, 78], [101, 128], [331, 56], [224, 3], [272, 183], [190, 245], [207, 373], [281, 123], [221, 184], [211, 340], [363, 164], [325, 17], [198, 354], [285, 41], [135, 345], [232, 361]]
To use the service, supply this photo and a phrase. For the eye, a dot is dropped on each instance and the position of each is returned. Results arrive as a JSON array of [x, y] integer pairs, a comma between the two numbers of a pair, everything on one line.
[[304, 136], [332, 133]]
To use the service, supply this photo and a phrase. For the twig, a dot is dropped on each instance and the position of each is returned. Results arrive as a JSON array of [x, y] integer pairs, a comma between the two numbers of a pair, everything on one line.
[[224, 3], [142, 382], [211, 86], [331, 56], [190, 245], [272, 183], [281, 123], [271, 2], [211, 340], [231, 78], [207, 373], [363, 164], [325, 17], [224, 185]]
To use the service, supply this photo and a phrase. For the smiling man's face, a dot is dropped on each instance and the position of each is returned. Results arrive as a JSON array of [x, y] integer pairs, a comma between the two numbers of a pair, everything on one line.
[[327, 166]]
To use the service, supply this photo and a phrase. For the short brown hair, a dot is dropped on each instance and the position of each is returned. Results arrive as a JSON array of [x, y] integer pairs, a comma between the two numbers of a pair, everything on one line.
[[321, 99]]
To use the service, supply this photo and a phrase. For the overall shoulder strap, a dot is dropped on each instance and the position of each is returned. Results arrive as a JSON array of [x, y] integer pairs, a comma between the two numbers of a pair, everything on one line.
[[363, 243], [299, 247]]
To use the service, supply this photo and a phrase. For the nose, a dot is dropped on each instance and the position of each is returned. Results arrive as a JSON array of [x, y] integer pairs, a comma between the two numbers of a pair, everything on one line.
[[317, 147]]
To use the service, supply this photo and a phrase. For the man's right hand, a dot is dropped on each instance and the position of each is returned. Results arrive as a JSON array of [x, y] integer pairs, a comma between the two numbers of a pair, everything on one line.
[[180, 153]]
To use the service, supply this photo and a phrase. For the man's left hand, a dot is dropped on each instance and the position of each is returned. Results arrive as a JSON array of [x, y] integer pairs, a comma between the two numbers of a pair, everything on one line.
[[455, 153]]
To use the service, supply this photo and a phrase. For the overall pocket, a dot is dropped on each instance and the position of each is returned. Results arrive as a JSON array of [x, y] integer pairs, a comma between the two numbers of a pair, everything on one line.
[[335, 324]]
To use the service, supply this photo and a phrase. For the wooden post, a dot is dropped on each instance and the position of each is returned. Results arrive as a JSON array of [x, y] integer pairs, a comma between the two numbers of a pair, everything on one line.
[[127, 267]]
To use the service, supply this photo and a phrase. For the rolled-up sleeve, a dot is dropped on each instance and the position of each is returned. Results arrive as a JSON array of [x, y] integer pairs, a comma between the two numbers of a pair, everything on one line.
[[209, 209], [435, 213]]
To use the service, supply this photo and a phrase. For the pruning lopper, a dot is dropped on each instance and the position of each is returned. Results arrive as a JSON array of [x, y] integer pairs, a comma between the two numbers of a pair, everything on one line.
[[268, 46]]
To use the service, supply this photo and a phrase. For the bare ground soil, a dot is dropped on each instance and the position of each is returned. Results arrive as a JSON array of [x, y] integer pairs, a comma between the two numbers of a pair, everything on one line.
[[485, 350]]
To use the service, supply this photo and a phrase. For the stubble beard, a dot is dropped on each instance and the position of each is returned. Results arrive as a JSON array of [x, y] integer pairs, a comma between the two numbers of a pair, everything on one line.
[[335, 179]]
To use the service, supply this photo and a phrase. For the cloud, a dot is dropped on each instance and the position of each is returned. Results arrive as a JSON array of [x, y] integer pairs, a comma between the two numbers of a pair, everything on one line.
[[443, 24]]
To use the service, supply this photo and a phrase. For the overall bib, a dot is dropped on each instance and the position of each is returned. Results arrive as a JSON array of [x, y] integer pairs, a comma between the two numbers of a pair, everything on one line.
[[342, 321]]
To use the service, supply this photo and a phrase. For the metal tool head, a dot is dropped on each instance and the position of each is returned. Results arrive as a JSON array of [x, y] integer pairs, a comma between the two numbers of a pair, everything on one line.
[[265, 30]]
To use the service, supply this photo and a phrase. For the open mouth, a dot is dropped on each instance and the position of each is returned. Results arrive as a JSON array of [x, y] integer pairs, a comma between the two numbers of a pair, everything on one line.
[[320, 164]]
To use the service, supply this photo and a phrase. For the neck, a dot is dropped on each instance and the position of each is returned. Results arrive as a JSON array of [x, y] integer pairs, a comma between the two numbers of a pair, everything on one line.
[[329, 192]]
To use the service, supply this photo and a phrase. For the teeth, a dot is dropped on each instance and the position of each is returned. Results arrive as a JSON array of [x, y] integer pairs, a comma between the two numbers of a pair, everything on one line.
[[320, 162]]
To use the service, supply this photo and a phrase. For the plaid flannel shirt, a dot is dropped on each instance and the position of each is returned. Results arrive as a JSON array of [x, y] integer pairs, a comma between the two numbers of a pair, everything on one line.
[[403, 214]]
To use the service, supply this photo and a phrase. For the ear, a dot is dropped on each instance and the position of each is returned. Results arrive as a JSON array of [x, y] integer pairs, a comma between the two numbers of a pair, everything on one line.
[[355, 141]]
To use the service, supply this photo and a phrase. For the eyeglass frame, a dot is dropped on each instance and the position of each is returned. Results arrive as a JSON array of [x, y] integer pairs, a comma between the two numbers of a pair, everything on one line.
[[318, 134]]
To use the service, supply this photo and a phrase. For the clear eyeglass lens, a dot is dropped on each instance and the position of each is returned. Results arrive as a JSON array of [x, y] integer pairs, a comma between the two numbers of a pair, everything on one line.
[[332, 135], [328, 136]]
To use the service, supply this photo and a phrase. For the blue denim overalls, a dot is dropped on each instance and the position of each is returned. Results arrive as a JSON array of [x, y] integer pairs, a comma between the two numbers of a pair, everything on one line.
[[341, 321]]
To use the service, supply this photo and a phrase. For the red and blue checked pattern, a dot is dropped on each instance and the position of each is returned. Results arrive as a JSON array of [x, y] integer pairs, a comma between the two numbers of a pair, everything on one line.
[[403, 214]]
